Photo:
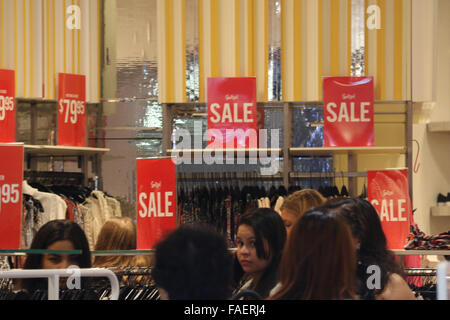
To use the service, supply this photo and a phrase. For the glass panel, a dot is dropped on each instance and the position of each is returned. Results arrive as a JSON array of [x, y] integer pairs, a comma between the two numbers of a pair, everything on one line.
[[136, 49], [274, 73], [23, 122], [357, 68], [273, 119], [46, 123], [12, 252], [308, 133], [192, 65], [308, 126]]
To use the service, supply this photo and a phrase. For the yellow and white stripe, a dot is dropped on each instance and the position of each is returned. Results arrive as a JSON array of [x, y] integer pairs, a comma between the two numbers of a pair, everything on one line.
[[316, 42], [233, 42], [35, 42], [334, 34], [172, 50], [387, 50]]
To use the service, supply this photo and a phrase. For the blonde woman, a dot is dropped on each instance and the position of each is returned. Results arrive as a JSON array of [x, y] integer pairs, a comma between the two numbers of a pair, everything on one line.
[[118, 233], [297, 203]]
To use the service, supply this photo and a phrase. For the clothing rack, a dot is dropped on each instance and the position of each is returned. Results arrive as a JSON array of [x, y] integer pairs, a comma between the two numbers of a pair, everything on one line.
[[425, 272], [54, 177], [53, 276]]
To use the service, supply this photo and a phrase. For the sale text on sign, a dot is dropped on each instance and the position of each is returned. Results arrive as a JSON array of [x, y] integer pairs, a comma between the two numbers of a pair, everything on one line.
[[7, 106], [232, 108], [72, 110], [348, 111], [11, 175], [388, 192], [156, 193]]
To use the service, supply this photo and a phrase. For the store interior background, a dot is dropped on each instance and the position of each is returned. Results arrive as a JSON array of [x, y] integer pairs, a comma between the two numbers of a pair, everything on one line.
[[133, 56]]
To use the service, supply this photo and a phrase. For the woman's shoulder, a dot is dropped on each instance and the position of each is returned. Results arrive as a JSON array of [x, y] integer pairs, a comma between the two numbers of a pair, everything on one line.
[[396, 289]]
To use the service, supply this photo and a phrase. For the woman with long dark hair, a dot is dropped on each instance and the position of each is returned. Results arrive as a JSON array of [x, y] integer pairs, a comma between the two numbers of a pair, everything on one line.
[[371, 245], [260, 239], [319, 261], [57, 235]]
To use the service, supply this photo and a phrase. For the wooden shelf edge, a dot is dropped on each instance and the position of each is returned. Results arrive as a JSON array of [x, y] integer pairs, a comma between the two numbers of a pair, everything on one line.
[[344, 150], [421, 252], [443, 126], [62, 150], [440, 211]]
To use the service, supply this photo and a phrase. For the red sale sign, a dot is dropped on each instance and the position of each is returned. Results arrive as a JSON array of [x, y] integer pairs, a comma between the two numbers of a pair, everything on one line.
[[388, 193], [348, 111], [72, 110], [7, 106], [232, 113], [156, 199], [11, 176]]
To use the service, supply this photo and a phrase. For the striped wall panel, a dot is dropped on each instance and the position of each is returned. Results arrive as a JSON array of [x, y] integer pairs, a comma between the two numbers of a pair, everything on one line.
[[35, 42], [316, 41]]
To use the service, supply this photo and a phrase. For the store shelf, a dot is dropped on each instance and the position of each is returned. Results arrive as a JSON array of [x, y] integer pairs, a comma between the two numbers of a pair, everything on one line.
[[439, 127], [122, 252], [62, 150], [440, 211], [228, 151], [330, 151], [421, 252], [23, 252]]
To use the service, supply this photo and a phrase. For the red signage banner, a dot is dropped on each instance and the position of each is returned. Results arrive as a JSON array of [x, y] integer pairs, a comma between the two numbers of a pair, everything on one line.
[[11, 177], [348, 111], [232, 113], [156, 200], [71, 110], [388, 192], [7, 106]]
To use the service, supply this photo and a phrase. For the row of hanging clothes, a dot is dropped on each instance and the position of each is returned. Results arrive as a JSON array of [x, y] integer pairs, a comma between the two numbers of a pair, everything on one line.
[[426, 289], [57, 195], [219, 199], [135, 284]]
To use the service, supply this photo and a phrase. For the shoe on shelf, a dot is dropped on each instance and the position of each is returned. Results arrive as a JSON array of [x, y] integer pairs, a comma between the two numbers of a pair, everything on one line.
[[448, 199], [442, 200]]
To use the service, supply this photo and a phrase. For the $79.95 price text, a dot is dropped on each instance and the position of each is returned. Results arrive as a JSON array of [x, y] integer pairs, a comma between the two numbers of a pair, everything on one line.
[[71, 109]]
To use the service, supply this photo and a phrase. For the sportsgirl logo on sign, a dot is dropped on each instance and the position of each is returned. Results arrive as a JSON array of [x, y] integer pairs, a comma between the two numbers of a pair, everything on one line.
[[348, 111]]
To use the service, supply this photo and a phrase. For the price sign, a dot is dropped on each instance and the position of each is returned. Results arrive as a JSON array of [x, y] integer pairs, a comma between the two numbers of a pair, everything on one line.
[[348, 111], [11, 175], [156, 199], [72, 110], [7, 106]]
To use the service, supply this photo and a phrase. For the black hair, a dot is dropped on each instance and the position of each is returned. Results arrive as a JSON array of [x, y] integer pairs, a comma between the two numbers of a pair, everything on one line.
[[49, 233], [267, 226], [365, 225], [194, 263]]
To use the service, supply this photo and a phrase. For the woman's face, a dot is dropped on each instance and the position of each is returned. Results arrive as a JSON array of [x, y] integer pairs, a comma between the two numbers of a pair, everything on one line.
[[59, 261], [246, 251], [289, 219]]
